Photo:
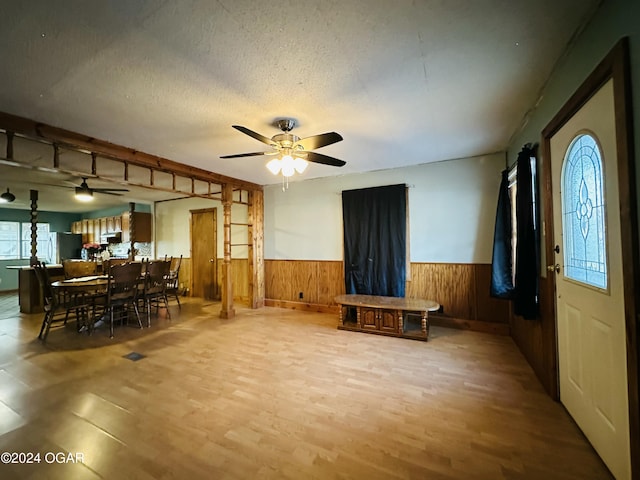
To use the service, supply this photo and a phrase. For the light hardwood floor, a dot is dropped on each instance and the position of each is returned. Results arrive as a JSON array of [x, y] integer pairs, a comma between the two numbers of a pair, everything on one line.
[[276, 394]]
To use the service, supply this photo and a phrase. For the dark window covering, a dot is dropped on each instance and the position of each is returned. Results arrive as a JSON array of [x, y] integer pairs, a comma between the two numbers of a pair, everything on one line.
[[501, 267], [375, 240], [527, 245]]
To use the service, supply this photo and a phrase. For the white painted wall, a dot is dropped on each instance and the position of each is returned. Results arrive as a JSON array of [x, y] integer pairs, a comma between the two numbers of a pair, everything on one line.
[[452, 209]]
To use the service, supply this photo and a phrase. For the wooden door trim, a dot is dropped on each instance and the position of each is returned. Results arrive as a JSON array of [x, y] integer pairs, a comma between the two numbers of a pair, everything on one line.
[[202, 210], [615, 66]]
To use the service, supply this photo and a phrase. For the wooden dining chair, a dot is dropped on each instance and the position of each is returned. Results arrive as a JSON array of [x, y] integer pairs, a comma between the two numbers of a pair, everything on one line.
[[122, 293], [155, 284], [173, 282], [53, 307], [58, 306]]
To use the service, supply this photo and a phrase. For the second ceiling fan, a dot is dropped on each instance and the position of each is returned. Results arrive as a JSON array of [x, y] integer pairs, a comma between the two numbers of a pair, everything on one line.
[[288, 144], [85, 193]]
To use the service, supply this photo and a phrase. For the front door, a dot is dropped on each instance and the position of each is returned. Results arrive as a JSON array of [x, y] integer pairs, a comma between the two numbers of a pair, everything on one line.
[[204, 253], [590, 311]]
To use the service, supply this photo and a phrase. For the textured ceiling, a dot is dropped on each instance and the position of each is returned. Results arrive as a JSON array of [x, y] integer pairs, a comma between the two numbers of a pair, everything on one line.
[[404, 82]]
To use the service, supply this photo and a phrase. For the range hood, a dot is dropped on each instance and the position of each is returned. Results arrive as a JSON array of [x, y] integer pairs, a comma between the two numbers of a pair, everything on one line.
[[114, 237]]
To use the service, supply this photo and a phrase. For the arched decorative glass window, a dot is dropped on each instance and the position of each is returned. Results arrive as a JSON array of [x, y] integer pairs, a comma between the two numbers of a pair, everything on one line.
[[583, 213]]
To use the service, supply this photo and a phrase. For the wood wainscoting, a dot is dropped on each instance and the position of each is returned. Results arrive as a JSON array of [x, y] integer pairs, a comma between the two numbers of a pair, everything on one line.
[[461, 289], [239, 279], [240, 272], [318, 281]]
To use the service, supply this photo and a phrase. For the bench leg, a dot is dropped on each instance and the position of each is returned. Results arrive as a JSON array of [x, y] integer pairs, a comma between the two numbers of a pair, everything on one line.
[[425, 324]]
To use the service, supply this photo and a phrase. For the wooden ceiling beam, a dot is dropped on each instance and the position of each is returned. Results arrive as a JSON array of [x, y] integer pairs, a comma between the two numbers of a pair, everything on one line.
[[40, 131]]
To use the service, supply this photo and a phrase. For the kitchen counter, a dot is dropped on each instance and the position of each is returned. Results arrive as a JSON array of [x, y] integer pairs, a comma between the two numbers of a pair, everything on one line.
[[29, 291], [29, 267]]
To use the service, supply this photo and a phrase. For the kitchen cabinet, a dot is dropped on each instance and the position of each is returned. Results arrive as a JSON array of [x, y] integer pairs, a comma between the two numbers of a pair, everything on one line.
[[93, 229], [114, 224], [142, 231], [103, 227]]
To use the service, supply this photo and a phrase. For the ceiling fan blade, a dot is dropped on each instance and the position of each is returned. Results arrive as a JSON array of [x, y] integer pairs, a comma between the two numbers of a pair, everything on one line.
[[324, 159], [108, 190], [52, 185], [317, 141], [255, 135], [252, 154]]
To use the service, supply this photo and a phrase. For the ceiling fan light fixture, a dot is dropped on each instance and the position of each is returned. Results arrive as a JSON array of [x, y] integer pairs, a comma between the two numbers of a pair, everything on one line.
[[84, 195], [7, 197], [275, 166], [288, 166], [300, 164]]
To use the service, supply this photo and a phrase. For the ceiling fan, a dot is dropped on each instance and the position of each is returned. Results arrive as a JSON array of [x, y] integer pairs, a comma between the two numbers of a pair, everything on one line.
[[292, 146], [84, 192]]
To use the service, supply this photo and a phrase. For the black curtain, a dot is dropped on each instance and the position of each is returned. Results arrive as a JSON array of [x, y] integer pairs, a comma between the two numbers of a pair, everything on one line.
[[501, 267], [375, 240], [527, 251]]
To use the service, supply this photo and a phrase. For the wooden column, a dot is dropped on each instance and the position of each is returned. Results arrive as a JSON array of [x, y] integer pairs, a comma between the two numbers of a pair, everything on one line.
[[256, 249], [132, 231], [34, 228], [227, 310]]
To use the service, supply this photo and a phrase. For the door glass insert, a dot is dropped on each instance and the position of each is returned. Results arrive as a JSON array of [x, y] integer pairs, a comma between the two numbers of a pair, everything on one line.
[[583, 213]]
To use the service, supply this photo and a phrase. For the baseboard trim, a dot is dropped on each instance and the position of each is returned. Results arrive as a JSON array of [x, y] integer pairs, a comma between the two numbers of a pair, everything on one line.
[[473, 325], [306, 307]]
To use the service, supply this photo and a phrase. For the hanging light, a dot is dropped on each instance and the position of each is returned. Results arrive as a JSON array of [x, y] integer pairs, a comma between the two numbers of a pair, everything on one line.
[[7, 197], [84, 194], [300, 164], [274, 166], [287, 165], [288, 168]]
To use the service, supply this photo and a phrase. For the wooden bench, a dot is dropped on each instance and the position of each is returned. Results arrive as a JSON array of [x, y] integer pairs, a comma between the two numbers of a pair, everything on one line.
[[393, 316]]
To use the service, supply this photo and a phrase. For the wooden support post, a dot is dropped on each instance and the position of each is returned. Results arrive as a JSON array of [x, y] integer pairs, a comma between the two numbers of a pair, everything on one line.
[[255, 236], [33, 260], [227, 310], [132, 231]]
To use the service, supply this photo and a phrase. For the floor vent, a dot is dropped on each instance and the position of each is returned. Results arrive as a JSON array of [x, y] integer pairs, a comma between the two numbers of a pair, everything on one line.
[[134, 356]]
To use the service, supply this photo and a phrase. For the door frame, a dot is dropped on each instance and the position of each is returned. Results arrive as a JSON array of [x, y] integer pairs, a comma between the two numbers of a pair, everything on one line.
[[614, 66]]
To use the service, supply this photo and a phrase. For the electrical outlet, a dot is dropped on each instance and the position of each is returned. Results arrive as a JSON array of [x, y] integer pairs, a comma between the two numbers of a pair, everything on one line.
[[300, 296]]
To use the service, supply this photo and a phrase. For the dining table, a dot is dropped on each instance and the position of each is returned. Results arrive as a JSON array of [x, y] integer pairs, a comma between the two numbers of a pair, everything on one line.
[[80, 295]]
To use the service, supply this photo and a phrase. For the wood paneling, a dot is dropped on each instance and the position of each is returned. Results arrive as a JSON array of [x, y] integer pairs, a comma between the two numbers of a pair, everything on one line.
[[332, 274], [239, 278], [489, 309], [319, 281], [461, 289], [529, 336], [240, 268], [184, 275], [451, 285]]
